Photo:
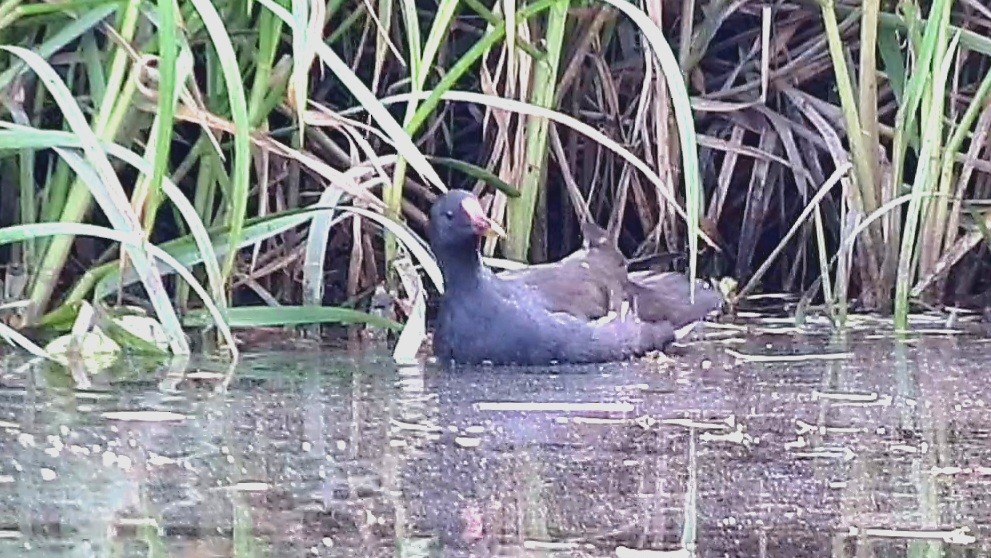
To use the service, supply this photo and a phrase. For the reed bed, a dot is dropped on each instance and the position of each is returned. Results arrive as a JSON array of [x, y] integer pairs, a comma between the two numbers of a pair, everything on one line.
[[225, 165]]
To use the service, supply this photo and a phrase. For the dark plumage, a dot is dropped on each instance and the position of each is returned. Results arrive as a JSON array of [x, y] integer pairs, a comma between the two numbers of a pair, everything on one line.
[[594, 281], [589, 284], [531, 317]]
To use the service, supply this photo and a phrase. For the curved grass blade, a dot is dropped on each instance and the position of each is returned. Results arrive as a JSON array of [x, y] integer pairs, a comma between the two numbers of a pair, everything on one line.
[[16, 339], [104, 184], [479, 173], [59, 40], [411, 241], [316, 246], [686, 125], [241, 166], [301, 60], [922, 185], [30, 138], [561, 118], [403, 142], [265, 316], [17, 233], [168, 53]]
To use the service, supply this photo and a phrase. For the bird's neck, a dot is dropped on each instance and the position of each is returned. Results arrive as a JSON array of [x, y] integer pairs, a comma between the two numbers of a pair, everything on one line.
[[461, 267]]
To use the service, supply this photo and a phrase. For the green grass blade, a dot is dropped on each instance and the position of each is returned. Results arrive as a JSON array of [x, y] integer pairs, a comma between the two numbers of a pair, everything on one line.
[[316, 247], [30, 138], [687, 136], [478, 173], [267, 316], [404, 144], [241, 165], [520, 211], [439, 30], [302, 58], [65, 35], [894, 65], [15, 338], [103, 183], [922, 186], [168, 52], [17, 233]]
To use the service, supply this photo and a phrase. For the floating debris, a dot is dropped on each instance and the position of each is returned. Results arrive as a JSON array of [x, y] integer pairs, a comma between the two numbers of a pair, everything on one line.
[[144, 416], [845, 454], [402, 425], [716, 326], [749, 314], [626, 552], [728, 422], [468, 442], [737, 436], [595, 421], [783, 330], [160, 460], [840, 396], [137, 522], [787, 358], [204, 375], [960, 535], [854, 400], [551, 406], [252, 486], [802, 427], [646, 422], [549, 545], [905, 448], [769, 296], [244, 486]]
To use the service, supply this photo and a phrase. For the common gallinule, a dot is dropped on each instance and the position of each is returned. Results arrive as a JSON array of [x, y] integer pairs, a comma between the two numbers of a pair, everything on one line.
[[594, 281], [484, 317], [589, 283]]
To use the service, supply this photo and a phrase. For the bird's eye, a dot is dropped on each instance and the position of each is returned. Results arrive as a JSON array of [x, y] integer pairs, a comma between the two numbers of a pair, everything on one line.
[[449, 214]]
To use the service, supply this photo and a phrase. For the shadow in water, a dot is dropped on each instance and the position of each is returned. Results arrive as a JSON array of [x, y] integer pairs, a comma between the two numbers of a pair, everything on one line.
[[882, 453]]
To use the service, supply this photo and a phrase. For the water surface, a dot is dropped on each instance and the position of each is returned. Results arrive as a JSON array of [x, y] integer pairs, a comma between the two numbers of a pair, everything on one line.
[[881, 452]]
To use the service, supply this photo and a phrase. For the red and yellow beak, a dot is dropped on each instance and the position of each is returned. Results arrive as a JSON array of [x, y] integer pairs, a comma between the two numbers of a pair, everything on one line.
[[480, 222]]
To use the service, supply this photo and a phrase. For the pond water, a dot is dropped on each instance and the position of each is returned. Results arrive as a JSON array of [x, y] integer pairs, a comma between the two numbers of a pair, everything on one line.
[[882, 449]]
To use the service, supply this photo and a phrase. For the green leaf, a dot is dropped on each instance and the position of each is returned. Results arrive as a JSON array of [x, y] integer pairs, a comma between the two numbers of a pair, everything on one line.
[[264, 316]]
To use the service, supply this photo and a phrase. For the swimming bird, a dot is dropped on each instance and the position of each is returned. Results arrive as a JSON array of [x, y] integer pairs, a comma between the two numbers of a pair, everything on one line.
[[594, 281], [485, 317]]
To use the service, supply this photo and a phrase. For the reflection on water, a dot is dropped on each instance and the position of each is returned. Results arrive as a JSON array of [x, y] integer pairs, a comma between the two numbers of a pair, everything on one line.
[[883, 453]]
